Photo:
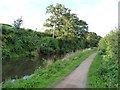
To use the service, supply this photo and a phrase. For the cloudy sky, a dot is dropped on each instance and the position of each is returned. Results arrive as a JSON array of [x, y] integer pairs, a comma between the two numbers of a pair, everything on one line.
[[101, 15]]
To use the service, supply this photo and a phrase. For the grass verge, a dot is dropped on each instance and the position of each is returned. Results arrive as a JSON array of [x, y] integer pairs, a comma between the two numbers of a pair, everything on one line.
[[94, 78], [48, 77]]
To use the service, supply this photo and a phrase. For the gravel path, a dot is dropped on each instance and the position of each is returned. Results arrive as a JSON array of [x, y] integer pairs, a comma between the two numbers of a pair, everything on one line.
[[77, 78]]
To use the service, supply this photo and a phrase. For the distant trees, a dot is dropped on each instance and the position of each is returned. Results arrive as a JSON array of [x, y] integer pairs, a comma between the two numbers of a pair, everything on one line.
[[92, 39], [17, 23]]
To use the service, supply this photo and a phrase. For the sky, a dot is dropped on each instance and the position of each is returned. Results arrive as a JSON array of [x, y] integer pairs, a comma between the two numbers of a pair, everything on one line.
[[101, 15]]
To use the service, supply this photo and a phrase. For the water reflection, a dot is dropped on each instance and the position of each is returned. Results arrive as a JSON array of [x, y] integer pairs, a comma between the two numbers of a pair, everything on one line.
[[17, 69]]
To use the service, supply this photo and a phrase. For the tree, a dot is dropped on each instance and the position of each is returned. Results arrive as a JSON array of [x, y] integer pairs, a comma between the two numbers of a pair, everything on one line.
[[63, 23], [92, 39], [56, 21], [82, 28], [17, 23]]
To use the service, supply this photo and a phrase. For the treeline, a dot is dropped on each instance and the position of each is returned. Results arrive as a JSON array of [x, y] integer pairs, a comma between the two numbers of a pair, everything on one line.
[[108, 70], [66, 33], [26, 43]]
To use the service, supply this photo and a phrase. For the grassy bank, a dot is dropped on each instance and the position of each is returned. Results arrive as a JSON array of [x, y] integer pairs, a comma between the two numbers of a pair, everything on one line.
[[47, 77], [94, 78]]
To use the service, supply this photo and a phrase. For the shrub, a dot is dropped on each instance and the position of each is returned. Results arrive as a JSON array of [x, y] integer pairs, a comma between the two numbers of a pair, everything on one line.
[[108, 70], [49, 46]]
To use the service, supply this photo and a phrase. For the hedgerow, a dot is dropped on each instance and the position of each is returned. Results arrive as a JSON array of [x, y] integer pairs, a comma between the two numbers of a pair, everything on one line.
[[109, 65]]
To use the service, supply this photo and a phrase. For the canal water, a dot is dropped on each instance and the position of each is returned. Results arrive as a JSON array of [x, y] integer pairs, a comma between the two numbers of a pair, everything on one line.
[[17, 69]]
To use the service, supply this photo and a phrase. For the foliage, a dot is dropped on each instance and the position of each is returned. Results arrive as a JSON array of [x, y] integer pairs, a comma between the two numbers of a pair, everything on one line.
[[63, 23], [92, 39], [43, 77], [27, 44], [19, 43], [106, 72], [109, 66], [67, 28], [49, 46]]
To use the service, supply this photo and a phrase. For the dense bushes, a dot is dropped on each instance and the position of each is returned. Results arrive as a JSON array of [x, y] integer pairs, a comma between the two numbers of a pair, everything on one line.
[[26, 43], [49, 46], [66, 46], [104, 69], [19, 43], [108, 69]]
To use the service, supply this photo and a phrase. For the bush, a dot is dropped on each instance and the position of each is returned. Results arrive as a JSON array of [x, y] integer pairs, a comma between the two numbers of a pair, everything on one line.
[[108, 70], [19, 43], [49, 46]]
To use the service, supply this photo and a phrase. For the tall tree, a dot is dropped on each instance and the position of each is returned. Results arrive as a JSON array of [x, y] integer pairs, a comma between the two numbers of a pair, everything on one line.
[[63, 23], [56, 15], [59, 19]]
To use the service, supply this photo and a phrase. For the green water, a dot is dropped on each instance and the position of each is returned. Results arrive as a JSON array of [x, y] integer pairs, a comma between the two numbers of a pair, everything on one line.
[[19, 68]]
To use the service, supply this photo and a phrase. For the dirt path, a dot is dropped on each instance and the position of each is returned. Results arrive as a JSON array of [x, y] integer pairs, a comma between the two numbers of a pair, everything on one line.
[[77, 78]]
